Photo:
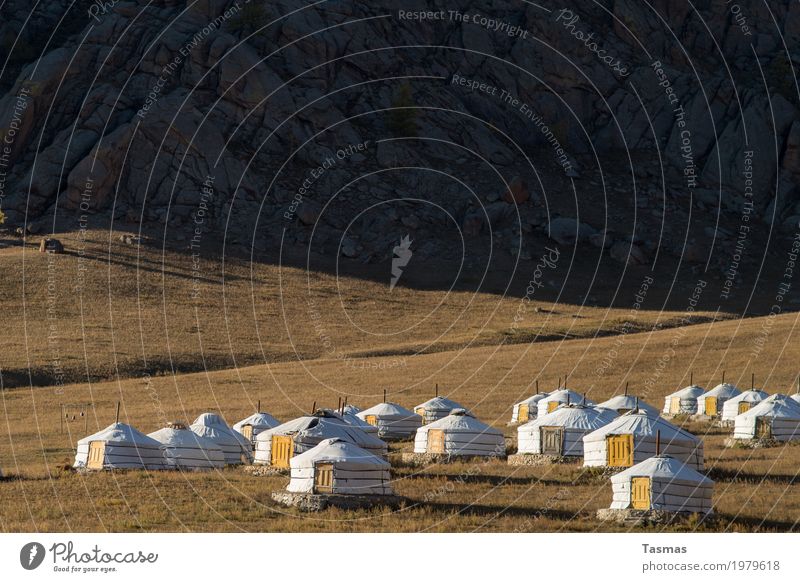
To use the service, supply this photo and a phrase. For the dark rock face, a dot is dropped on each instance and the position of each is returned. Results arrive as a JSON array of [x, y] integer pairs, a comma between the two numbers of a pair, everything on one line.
[[265, 116]]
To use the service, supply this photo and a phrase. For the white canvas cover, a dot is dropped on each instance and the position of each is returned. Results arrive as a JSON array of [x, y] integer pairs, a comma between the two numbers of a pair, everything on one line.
[[183, 449], [463, 435], [796, 397], [561, 396], [235, 447], [308, 431], [673, 486], [687, 397], [781, 412], [622, 403], [533, 408], [576, 420], [125, 448], [352, 420], [722, 392], [436, 408], [352, 409], [260, 421], [393, 421], [355, 471], [674, 441], [730, 410]]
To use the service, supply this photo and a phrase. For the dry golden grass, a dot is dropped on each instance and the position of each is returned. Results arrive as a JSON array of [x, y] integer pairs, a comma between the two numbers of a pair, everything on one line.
[[755, 490]]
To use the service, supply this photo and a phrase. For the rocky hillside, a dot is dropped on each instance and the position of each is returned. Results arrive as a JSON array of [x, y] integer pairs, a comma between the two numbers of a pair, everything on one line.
[[475, 128]]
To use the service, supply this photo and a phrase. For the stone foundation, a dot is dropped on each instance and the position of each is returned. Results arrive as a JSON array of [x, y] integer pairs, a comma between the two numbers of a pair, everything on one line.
[[645, 516], [319, 501], [537, 460], [264, 471], [419, 459], [731, 442]]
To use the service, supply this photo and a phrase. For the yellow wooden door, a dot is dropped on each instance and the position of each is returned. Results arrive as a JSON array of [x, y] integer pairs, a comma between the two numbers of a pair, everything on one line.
[[551, 406], [97, 455], [436, 441], [640, 493], [522, 413], [247, 432], [323, 478], [764, 427], [711, 405], [552, 438], [371, 419], [675, 405], [620, 450], [421, 411], [744, 407], [282, 451]]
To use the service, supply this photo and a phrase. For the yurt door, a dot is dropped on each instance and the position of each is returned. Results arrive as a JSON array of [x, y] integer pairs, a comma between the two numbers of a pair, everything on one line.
[[371, 419], [744, 407], [551, 406], [323, 478], [421, 411], [282, 449], [552, 440], [675, 405], [436, 441], [97, 454], [711, 405], [522, 413], [247, 432], [763, 427], [620, 450], [640, 493]]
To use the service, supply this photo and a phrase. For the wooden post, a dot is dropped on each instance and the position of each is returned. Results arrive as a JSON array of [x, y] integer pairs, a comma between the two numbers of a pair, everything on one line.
[[723, 376], [798, 385], [258, 407], [437, 390], [384, 395], [691, 378], [626, 388], [339, 405], [117, 418], [314, 407], [658, 442], [752, 381]]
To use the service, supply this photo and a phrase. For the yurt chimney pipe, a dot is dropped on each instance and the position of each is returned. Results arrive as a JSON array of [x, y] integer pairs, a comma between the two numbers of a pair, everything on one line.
[[658, 442], [626, 388], [116, 419], [723, 376], [798, 385], [437, 390], [384, 395], [752, 381], [258, 407]]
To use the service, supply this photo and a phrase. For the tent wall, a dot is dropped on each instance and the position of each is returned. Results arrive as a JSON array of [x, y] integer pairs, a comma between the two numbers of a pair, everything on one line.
[[668, 496], [783, 429], [595, 452], [372, 481], [464, 443], [123, 455], [529, 441], [398, 428]]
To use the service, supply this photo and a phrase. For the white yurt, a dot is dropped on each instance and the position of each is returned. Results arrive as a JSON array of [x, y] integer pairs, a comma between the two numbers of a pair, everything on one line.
[[662, 483], [527, 409], [351, 409], [460, 434], [277, 446], [393, 421], [623, 403], [710, 403], [631, 438], [560, 433], [353, 420], [742, 403], [795, 397], [335, 466], [119, 446], [561, 396], [255, 423], [436, 408], [236, 448], [777, 417], [684, 401], [183, 449]]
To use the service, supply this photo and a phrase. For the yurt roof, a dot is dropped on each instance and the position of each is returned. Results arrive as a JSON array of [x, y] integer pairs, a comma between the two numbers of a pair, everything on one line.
[[386, 409], [663, 467], [120, 432], [182, 437], [535, 398], [459, 420], [726, 390], [439, 403], [212, 426], [326, 428], [795, 397], [750, 396], [352, 409], [258, 420], [692, 391], [628, 401], [337, 450], [210, 419], [641, 423], [301, 423], [561, 396], [778, 405], [576, 416], [353, 420]]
